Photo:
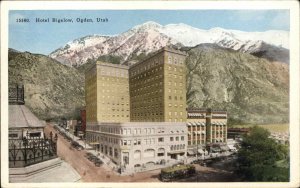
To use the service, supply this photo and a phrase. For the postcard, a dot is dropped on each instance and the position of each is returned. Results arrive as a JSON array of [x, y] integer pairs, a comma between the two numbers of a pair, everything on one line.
[[99, 94]]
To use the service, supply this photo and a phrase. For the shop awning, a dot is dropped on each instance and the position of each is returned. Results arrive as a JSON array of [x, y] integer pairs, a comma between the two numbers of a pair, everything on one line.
[[175, 152], [200, 151], [94, 143], [191, 152]]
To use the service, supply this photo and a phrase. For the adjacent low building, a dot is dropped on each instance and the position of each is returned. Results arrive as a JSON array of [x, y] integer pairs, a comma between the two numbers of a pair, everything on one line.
[[207, 130], [133, 145]]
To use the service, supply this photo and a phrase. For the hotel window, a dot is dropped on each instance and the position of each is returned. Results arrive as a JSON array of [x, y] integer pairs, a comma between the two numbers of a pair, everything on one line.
[[171, 139], [153, 141], [161, 139], [182, 138], [170, 97]]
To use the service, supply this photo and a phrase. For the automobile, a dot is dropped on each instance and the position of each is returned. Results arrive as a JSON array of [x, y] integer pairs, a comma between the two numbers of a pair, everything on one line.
[[92, 158], [98, 162], [79, 148], [88, 154]]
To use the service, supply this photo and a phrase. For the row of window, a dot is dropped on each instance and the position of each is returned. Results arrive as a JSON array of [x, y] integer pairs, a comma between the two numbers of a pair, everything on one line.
[[146, 78], [177, 147], [175, 97], [125, 131], [144, 87], [146, 66], [119, 90], [175, 120], [176, 138], [129, 142], [114, 72], [198, 142]]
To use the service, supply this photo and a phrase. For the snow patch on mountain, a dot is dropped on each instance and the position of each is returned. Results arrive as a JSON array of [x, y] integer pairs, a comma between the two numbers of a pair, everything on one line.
[[151, 36]]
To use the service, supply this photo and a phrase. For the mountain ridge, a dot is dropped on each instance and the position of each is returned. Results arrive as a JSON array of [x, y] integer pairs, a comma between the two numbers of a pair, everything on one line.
[[151, 36]]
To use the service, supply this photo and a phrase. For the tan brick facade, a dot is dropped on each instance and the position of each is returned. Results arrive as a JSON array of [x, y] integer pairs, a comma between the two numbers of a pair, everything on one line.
[[158, 88], [107, 93]]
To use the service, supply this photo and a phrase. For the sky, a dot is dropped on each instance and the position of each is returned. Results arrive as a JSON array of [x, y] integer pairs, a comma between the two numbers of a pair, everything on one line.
[[44, 38]]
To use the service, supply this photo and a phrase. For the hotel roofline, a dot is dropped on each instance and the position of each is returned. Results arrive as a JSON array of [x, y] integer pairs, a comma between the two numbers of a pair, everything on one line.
[[101, 63], [166, 48]]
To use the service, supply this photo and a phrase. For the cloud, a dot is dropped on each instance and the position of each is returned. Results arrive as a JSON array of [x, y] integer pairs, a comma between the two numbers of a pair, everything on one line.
[[248, 15], [281, 21]]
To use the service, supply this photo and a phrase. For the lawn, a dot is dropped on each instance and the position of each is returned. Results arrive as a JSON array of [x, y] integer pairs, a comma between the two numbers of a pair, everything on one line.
[[279, 128]]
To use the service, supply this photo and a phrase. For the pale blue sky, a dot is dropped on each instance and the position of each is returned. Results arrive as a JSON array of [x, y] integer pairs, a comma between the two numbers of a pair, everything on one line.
[[46, 37]]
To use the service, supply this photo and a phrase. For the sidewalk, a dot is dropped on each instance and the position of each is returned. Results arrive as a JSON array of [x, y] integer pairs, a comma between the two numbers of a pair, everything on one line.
[[90, 149]]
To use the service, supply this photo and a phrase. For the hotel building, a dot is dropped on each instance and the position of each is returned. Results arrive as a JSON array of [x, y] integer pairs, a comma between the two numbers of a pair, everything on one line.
[[158, 88], [155, 130], [107, 93]]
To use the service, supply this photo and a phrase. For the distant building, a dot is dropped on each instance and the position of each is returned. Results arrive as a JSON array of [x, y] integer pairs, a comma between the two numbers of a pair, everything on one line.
[[237, 132], [71, 125]]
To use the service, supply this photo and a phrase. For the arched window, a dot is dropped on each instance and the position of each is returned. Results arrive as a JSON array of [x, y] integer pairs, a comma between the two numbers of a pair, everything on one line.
[[149, 153], [137, 154]]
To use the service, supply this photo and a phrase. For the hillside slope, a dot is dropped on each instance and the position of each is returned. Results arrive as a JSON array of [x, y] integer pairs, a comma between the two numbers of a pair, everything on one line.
[[252, 89], [52, 90]]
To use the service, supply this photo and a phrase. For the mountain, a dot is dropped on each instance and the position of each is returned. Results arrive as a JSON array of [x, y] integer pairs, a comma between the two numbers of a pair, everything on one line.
[[151, 36], [253, 90], [52, 90]]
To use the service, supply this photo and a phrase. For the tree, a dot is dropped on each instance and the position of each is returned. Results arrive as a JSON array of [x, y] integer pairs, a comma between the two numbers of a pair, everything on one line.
[[259, 156]]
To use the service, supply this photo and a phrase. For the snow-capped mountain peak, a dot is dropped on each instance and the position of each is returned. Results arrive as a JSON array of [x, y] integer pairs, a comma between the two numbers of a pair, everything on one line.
[[146, 26], [151, 36]]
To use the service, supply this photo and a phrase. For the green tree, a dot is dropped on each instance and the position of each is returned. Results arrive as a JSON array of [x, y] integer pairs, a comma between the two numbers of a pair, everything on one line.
[[259, 155]]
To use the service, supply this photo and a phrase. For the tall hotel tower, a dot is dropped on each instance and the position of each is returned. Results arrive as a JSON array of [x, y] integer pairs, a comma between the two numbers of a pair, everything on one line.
[[158, 88]]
